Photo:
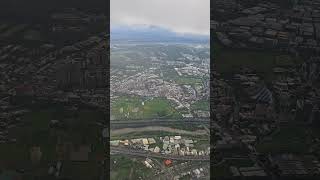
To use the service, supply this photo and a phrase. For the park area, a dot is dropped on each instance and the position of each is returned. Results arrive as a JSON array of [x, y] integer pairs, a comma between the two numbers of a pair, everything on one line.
[[131, 107]]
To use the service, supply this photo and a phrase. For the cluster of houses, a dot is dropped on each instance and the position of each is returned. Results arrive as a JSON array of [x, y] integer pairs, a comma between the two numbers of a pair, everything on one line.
[[197, 173], [175, 145]]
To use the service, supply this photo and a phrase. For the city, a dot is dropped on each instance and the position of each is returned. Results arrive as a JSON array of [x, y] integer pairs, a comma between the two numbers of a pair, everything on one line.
[[156, 89], [159, 91]]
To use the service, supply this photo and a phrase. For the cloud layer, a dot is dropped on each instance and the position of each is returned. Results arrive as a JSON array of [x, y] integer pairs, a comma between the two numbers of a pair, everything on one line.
[[181, 16]]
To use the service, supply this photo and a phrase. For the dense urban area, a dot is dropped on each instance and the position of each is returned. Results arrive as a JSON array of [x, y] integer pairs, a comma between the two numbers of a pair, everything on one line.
[[265, 90]]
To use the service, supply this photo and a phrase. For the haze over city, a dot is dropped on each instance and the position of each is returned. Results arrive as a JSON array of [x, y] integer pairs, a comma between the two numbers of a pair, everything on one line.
[[159, 89], [181, 16]]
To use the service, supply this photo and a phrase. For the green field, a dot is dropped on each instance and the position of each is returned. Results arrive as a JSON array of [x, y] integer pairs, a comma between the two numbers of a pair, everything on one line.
[[124, 168], [155, 134], [171, 75], [133, 108], [183, 80]]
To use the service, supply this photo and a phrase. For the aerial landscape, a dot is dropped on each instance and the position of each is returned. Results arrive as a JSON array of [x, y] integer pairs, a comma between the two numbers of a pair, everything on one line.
[[265, 90], [159, 100], [160, 89]]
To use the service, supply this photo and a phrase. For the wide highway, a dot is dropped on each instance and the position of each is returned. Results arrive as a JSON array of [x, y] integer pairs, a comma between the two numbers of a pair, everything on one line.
[[156, 122], [141, 153]]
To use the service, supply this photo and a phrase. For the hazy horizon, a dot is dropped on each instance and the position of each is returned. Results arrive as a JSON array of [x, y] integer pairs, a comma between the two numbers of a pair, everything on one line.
[[183, 17]]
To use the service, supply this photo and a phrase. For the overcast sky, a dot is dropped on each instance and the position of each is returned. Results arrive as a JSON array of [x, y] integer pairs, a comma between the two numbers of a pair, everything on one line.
[[181, 16]]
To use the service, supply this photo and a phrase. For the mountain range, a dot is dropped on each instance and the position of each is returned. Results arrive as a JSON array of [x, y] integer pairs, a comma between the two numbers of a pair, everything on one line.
[[146, 33]]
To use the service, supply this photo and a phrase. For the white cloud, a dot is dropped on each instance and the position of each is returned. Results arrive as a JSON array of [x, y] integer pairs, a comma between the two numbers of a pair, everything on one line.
[[182, 16]]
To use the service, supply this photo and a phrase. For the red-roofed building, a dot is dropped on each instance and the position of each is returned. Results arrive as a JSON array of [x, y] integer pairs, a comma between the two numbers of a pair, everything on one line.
[[167, 162]]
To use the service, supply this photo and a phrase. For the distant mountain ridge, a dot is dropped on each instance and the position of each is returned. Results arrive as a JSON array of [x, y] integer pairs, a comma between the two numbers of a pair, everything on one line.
[[145, 33]]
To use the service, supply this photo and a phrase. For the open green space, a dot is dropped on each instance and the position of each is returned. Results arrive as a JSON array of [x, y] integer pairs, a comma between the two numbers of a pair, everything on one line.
[[186, 126], [125, 168], [169, 74], [129, 107], [154, 134], [183, 110], [202, 143], [185, 80]]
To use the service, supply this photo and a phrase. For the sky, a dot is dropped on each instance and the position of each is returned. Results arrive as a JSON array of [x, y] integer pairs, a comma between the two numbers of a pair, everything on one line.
[[180, 16]]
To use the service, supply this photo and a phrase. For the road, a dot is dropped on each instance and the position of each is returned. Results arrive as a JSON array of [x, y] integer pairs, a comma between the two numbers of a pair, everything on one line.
[[163, 120], [132, 152], [157, 122], [198, 132]]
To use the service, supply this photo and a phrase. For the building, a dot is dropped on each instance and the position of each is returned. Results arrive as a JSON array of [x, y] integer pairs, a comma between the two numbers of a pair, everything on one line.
[[168, 162]]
